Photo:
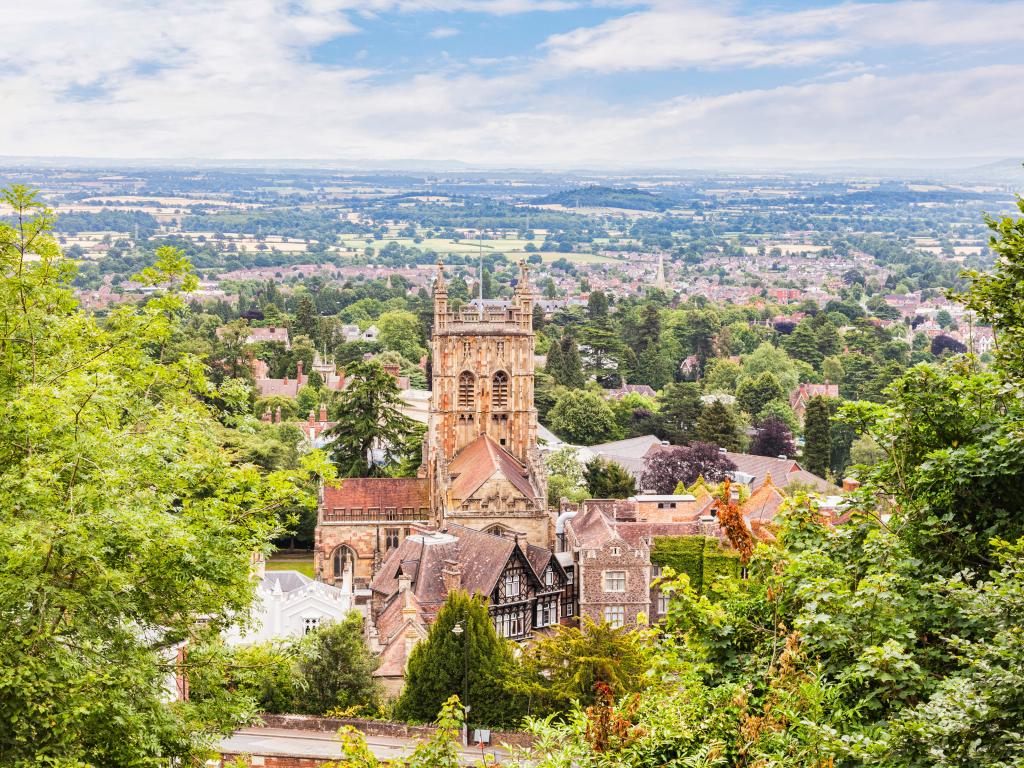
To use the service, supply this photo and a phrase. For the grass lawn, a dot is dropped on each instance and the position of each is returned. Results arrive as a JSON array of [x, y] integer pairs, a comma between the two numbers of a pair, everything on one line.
[[301, 563]]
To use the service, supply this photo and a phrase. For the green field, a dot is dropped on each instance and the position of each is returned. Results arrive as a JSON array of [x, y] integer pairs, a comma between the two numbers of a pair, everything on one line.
[[301, 563], [513, 248]]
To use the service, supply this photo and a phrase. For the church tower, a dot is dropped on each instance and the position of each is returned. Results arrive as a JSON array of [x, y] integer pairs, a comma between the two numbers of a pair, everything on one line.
[[482, 457]]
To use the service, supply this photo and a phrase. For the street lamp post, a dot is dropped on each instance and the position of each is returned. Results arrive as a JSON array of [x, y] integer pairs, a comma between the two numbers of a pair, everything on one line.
[[458, 630]]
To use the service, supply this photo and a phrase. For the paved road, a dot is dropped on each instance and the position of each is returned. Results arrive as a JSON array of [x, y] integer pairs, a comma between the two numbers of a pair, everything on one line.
[[296, 743]]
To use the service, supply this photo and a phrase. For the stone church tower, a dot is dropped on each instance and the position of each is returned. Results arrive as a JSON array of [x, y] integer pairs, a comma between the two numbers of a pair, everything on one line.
[[482, 462]]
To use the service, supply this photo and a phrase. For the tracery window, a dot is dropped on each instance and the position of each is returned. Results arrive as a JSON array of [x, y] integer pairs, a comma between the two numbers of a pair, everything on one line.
[[467, 384], [499, 391]]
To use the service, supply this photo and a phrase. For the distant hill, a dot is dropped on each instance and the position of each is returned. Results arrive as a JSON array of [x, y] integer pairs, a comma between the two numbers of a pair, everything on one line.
[[627, 198]]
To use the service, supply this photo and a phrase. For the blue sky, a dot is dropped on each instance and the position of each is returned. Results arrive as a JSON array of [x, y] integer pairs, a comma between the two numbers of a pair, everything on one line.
[[544, 83]]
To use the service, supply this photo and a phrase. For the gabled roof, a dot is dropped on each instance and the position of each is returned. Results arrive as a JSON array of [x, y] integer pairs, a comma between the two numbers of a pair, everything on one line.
[[764, 503], [479, 461], [481, 556]]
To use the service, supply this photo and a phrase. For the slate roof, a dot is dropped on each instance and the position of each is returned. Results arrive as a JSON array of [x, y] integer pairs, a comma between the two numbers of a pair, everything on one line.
[[288, 581], [479, 461], [423, 556]]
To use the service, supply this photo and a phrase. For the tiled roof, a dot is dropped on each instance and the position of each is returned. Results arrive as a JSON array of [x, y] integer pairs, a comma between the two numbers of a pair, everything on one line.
[[481, 556], [377, 492], [479, 461]]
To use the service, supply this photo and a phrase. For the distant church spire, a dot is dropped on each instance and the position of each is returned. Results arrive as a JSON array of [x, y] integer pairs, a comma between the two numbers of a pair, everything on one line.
[[659, 279]]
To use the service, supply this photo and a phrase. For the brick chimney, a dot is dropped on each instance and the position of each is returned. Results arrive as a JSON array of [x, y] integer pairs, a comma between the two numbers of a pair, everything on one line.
[[311, 421], [392, 369], [277, 415], [267, 417], [850, 484], [452, 575], [323, 412], [298, 373]]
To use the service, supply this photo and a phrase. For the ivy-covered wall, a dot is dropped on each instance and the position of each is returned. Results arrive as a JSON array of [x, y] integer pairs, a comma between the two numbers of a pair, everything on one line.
[[702, 558]]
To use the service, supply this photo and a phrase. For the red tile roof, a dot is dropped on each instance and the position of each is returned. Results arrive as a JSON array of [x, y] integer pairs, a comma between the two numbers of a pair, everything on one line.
[[479, 461], [377, 492]]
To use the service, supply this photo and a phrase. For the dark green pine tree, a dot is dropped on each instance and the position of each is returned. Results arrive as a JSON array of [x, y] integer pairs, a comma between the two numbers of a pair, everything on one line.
[[680, 409], [553, 364], [608, 480], [817, 437], [597, 307], [718, 425], [475, 662], [802, 344], [367, 415], [572, 367], [305, 317]]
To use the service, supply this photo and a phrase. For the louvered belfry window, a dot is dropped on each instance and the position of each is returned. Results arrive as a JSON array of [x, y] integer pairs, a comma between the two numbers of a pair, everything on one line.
[[499, 393], [466, 385]]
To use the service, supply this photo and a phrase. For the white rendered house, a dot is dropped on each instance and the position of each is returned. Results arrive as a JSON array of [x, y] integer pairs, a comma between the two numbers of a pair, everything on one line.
[[288, 605]]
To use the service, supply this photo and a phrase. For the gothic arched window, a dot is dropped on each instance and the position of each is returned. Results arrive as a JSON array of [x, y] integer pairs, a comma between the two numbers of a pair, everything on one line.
[[344, 566], [467, 385], [499, 391]]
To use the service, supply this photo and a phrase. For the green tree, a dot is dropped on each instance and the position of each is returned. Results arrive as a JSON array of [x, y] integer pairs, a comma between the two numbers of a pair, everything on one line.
[[570, 666], [474, 660], [597, 307], [608, 480], [124, 526], [817, 455], [679, 407], [754, 394], [583, 418], [773, 360], [334, 668], [401, 331], [570, 372], [367, 415], [719, 426], [305, 316]]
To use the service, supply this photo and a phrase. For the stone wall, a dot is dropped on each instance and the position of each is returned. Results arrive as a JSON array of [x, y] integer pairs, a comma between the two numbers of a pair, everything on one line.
[[592, 565]]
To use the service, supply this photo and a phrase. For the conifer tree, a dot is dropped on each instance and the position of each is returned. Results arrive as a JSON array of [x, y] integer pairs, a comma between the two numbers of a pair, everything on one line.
[[553, 364], [367, 415], [572, 367], [718, 425], [472, 664], [817, 437]]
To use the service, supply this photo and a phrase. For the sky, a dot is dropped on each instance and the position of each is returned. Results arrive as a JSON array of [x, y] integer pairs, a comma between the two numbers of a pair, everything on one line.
[[513, 83]]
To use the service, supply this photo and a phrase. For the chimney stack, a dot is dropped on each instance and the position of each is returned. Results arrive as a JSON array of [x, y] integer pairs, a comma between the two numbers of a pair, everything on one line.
[[323, 412], [452, 575], [850, 484], [298, 373], [277, 415]]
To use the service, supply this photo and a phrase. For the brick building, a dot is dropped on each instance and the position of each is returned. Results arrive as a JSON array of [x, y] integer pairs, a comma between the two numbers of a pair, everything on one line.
[[481, 469]]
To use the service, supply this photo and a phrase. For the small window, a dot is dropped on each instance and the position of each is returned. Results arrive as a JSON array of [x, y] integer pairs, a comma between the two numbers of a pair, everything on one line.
[[662, 604], [356, 512], [310, 624], [374, 513], [512, 584], [744, 573], [615, 615], [616, 551], [655, 571], [391, 538], [390, 513], [501, 347], [466, 347], [408, 513], [614, 581], [549, 577]]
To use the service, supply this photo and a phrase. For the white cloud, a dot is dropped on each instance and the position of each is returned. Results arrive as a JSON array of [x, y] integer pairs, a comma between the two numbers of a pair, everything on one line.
[[442, 32], [233, 80], [670, 35]]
